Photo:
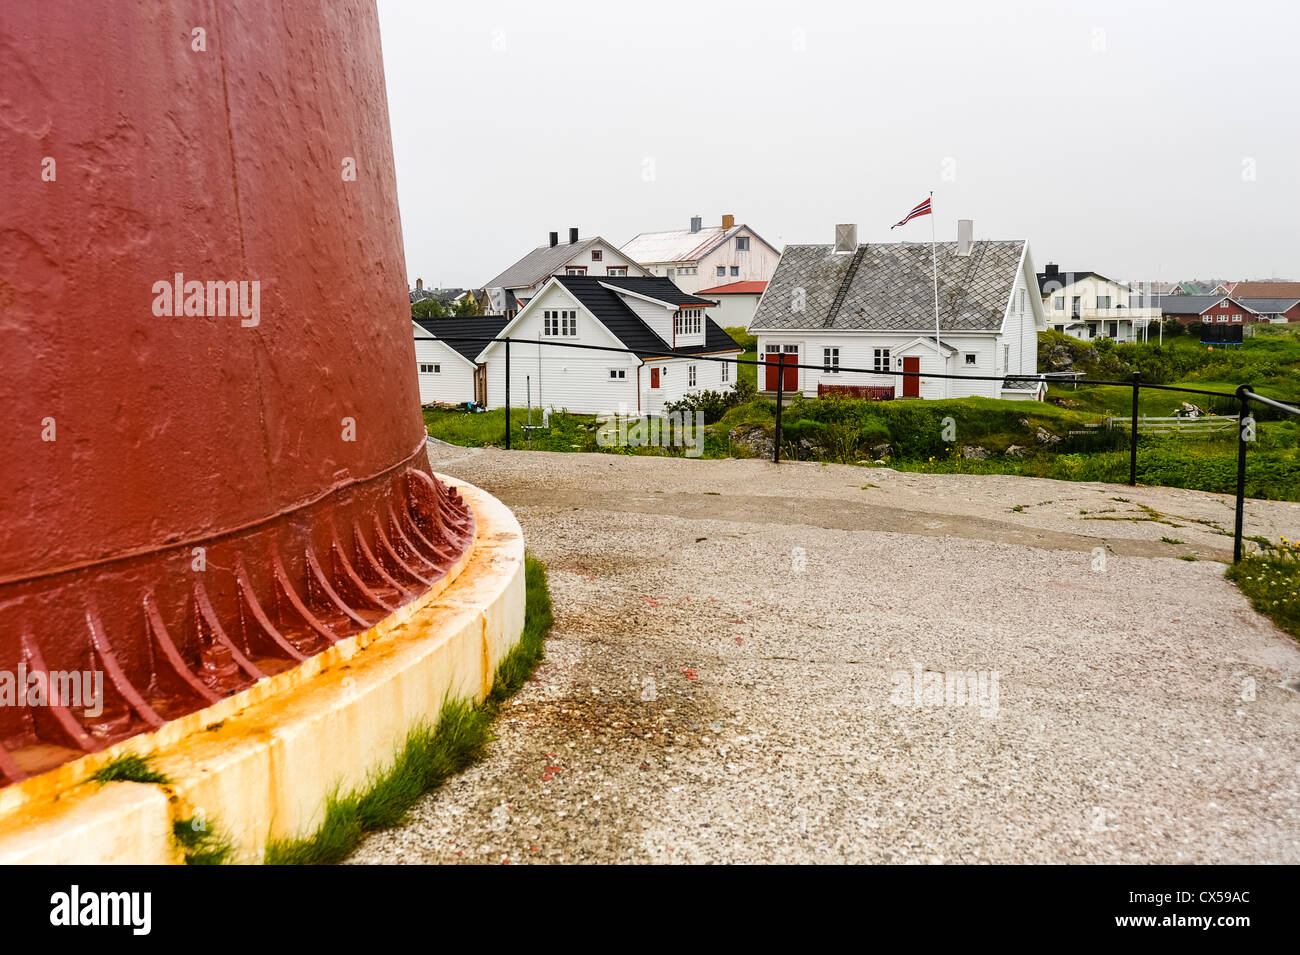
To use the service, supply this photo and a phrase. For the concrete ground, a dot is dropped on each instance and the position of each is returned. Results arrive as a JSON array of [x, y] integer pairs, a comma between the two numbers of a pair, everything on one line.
[[745, 659]]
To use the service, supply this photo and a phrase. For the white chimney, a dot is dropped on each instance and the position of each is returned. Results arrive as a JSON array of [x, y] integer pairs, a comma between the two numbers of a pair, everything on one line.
[[965, 236], [846, 237]]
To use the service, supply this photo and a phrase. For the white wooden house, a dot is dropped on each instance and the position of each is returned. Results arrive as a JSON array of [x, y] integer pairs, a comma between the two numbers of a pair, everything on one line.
[[667, 330], [512, 289], [1089, 305], [872, 306], [705, 256]]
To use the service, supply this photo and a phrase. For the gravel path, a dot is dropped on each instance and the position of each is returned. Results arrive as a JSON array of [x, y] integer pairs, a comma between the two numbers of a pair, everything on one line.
[[733, 675]]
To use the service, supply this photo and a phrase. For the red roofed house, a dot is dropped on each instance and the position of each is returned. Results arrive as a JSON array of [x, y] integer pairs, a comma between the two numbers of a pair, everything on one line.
[[1231, 310], [737, 302]]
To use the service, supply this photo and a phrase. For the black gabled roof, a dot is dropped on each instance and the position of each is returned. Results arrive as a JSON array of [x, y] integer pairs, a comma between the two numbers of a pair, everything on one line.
[[447, 329], [1065, 279], [656, 287], [628, 327]]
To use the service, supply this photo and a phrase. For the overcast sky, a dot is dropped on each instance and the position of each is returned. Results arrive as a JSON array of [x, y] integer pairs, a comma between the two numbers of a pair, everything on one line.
[[1137, 139]]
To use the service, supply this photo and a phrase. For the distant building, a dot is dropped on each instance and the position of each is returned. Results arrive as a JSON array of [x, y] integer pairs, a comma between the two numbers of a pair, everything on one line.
[[1230, 310], [447, 297], [737, 302], [511, 290], [705, 256], [1086, 304], [1201, 287], [872, 306], [1267, 289]]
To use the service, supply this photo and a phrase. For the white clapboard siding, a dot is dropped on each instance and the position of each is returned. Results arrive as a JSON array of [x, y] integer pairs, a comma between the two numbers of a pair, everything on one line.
[[454, 380], [572, 379]]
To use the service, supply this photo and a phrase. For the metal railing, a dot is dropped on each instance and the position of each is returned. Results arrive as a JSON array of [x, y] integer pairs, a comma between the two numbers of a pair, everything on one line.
[[1244, 396]]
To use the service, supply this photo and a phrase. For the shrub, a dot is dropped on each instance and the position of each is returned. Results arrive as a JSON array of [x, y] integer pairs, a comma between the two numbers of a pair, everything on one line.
[[714, 404]]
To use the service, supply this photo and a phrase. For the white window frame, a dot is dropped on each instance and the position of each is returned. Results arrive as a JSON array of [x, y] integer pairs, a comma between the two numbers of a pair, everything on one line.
[[618, 374], [688, 321], [726, 372], [972, 360], [430, 368], [559, 323], [830, 360], [880, 360], [742, 243], [690, 376]]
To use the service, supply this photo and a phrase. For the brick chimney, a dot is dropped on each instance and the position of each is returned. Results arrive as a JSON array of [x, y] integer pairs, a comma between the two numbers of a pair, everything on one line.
[[419, 285], [728, 221]]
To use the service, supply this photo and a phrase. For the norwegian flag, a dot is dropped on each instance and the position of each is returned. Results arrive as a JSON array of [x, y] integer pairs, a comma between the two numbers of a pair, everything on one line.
[[921, 210]]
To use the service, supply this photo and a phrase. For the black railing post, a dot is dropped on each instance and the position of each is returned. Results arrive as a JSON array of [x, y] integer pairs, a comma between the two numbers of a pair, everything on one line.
[[507, 393], [1243, 413], [1133, 438], [780, 400]]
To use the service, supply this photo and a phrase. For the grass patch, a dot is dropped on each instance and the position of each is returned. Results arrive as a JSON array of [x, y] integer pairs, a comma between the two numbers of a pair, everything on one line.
[[129, 769], [1270, 579], [430, 755], [1187, 557], [1171, 540], [202, 842]]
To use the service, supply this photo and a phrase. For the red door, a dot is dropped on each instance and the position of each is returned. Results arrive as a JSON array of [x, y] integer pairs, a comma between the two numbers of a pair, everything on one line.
[[912, 383], [774, 369], [654, 377]]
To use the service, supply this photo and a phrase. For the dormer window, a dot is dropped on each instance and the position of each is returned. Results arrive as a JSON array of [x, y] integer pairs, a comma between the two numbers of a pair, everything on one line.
[[688, 321]]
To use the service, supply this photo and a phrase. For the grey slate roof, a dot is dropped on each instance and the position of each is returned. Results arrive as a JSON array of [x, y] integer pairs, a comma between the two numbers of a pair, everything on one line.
[[538, 264], [890, 286], [1266, 305], [1188, 304]]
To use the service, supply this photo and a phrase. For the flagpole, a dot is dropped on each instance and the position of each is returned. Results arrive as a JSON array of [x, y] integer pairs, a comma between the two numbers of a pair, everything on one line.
[[934, 261]]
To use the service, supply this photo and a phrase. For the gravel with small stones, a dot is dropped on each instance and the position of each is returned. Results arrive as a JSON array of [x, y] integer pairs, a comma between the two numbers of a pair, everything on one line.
[[730, 674]]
